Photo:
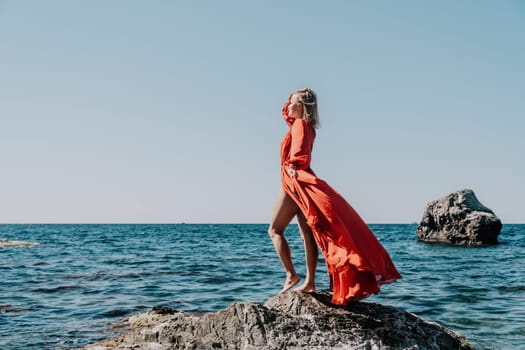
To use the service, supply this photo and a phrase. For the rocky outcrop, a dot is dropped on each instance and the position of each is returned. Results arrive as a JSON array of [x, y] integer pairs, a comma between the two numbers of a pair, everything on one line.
[[6, 243], [288, 321], [460, 219]]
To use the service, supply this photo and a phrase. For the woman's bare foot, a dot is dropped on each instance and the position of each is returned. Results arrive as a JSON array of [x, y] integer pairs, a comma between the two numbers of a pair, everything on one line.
[[306, 288], [290, 283]]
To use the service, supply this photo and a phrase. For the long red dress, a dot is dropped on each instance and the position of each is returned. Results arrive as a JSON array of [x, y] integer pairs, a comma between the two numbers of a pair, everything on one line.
[[356, 260]]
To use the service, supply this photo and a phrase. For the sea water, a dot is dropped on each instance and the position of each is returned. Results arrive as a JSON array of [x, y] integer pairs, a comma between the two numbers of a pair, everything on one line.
[[66, 291]]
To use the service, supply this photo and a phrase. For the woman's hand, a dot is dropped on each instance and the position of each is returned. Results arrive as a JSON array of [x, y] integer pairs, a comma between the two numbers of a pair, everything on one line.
[[292, 172], [284, 109]]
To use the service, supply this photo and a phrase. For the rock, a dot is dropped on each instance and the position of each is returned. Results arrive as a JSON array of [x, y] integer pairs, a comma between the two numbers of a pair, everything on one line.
[[460, 219], [288, 321], [6, 243]]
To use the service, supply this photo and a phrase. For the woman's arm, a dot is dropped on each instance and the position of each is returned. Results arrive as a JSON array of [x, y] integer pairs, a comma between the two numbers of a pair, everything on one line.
[[301, 147]]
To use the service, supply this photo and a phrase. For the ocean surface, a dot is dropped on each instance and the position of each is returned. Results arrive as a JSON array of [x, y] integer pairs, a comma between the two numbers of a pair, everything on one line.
[[68, 290]]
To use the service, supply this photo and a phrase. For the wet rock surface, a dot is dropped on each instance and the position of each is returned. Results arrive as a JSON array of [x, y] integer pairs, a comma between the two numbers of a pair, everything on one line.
[[460, 219], [288, 321]]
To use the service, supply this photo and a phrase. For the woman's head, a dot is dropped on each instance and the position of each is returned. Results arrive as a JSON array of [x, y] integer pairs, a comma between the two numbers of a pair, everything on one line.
[[303, 104]]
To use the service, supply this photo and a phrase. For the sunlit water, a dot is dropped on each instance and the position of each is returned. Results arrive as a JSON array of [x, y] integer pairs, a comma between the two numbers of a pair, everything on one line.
[[68, 290]]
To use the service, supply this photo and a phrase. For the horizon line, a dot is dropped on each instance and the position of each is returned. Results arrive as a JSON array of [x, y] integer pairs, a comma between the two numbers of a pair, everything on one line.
[[201, 223]]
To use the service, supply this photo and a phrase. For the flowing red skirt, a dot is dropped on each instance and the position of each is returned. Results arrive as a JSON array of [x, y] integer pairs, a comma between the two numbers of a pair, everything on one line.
[[357, 262]]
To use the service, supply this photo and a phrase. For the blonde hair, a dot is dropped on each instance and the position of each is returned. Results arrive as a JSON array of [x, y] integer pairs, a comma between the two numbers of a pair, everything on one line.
[[309, 101]]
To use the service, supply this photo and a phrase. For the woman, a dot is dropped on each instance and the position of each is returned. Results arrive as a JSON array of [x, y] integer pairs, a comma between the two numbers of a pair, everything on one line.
[[357, 263]]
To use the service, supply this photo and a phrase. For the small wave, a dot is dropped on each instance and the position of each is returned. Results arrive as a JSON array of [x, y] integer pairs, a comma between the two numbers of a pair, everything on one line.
[[466, 298], [468, 290], [56, 289], [111, 275], [511, 288], [114, 313], [4, 243], [217, 280], [10, 308]]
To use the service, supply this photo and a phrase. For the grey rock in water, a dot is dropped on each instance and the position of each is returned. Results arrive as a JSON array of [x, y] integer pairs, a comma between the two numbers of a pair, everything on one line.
[[288, 321], [459, 218]]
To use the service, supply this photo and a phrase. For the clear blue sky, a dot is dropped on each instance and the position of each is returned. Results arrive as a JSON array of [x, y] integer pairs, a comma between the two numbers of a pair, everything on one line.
[[169, 111]]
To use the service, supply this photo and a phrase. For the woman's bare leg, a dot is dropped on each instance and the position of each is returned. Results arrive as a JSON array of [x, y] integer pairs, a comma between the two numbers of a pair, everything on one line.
[[311, 253], [283, 213]]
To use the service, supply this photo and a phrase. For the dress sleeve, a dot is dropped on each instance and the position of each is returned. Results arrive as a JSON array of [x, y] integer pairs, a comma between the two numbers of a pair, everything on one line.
[[301, 147]]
